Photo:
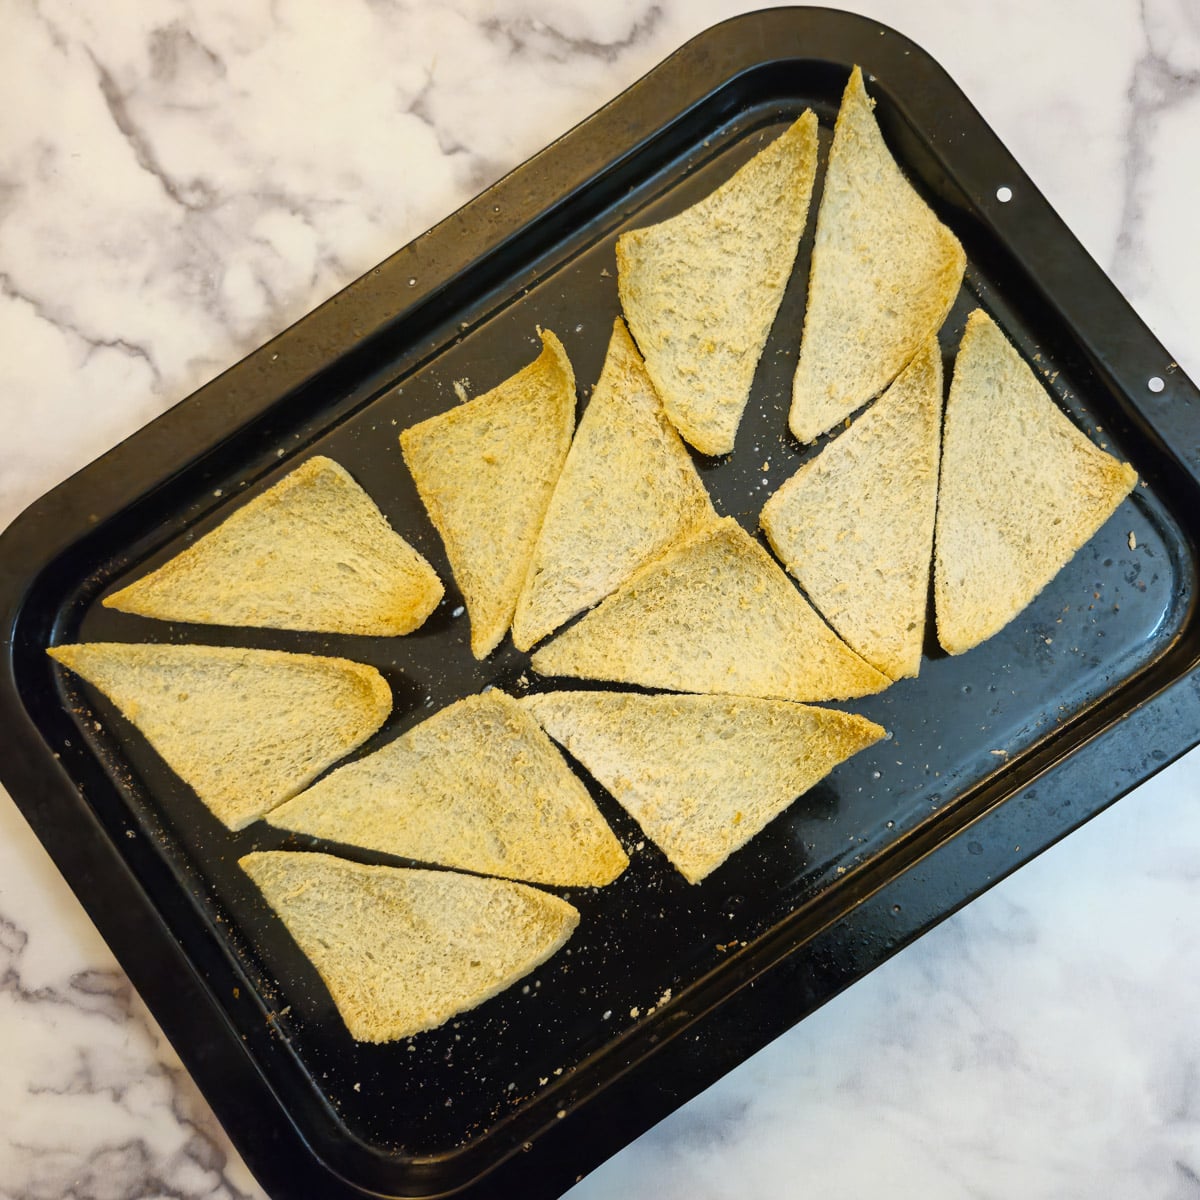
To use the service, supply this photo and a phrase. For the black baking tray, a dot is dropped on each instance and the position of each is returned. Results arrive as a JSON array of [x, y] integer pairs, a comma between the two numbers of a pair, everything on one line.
[[991, 757]]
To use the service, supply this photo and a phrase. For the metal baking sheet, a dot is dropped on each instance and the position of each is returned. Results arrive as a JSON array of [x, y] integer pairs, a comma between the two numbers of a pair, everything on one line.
[[991, 756]]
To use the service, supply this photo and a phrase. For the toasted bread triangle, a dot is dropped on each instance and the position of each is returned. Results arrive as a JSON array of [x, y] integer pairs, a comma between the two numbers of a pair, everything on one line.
[[486, 471], [245, 728], [628, 490], [403, 950], [884, 274], [701, 774], [854, 525], [312, 552], [714, 614], [1022, 489], [701, 289], [478, 786]]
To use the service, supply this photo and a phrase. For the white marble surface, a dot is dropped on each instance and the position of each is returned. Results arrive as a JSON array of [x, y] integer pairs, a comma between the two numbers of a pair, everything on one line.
[[180, 180]]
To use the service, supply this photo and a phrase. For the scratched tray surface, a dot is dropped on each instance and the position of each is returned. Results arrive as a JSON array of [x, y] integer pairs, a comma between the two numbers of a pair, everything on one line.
[[965, 724]]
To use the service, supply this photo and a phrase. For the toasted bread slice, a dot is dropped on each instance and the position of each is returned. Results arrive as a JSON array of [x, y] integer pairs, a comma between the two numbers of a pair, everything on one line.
[[701, 774], [312, 552], [701, 290], [404, 950], [1022, 489], [628, 490], [486, 471], [884, 274], [714, 614], [855, 524], [245, 728], [477, 786]]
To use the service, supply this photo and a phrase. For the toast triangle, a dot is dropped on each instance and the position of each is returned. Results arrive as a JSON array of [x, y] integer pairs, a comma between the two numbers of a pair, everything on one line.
[[628, 490], [403, 950], [1022, 489], [701, 774], [854, 525], [714, 614], [701, 289], [245, 729], [312, 552], [486, 471], [884, 274], [477, 786]]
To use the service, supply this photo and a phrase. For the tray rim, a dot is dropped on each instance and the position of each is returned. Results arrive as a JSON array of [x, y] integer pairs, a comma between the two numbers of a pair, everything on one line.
[[95, 869]]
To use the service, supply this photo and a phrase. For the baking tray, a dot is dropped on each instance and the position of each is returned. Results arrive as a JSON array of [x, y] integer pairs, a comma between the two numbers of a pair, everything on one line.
[[991, 757]]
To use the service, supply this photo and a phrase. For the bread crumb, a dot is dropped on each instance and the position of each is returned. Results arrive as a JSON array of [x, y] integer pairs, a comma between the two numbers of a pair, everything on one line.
[[635, 1012], [460, 390], [1132, 540]]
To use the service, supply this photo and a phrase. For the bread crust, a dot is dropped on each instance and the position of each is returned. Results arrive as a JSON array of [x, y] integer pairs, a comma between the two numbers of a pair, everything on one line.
[[854, 525], [884, 275], [476, 786], [1022, 489], [700, 290], [628, 490], [313, 552], [247, 729], [715, 614], [485, 472], [403, 950], [701, 775]]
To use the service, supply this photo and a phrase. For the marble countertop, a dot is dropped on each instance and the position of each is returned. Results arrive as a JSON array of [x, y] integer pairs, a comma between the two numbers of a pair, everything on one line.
[[179, 181]]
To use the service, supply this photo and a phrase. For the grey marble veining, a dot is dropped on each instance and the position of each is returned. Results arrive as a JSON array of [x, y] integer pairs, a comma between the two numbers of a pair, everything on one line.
[[1165, 79], [94, 1103], [1040, 1044], [179, 181]]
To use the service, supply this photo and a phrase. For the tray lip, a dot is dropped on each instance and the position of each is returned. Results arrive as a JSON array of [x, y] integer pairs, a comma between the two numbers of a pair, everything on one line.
[[30, 541]]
